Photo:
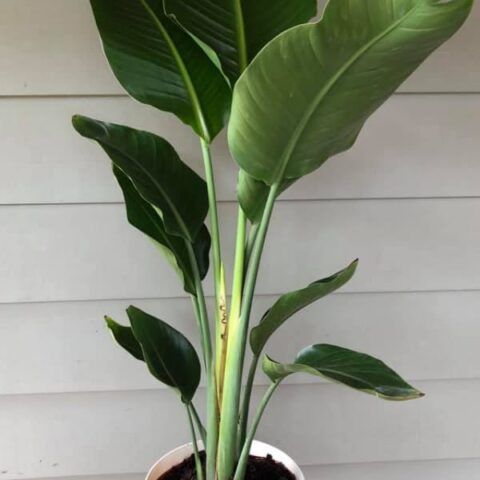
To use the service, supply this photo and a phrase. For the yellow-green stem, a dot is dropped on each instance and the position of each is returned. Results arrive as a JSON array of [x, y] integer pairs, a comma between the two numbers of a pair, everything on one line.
[[238, 268], [218, 272], [228, 436]]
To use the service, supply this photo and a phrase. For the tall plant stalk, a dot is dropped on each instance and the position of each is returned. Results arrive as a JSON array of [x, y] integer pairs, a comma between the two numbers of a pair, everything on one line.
[[228, 437], [218, 271]]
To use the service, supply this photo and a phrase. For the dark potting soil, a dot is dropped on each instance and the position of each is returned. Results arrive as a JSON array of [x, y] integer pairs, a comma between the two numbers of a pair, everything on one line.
[[259, 468]]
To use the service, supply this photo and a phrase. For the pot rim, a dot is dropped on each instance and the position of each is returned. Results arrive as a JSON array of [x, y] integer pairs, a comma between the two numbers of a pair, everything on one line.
[[261, 449]]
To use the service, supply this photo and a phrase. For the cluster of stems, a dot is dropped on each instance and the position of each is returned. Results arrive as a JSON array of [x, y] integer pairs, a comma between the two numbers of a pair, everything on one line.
[[226, 438]]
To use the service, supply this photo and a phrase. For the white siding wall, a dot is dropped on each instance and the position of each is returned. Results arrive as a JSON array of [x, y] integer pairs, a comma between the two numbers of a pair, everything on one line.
[[405, 199]]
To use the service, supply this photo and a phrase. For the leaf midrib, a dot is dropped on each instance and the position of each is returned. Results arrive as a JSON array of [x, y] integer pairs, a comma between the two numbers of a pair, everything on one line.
[[162, 362], [326, 89], [154, 219], [319, 371], [177, 215], [192, 93], [242, 51]]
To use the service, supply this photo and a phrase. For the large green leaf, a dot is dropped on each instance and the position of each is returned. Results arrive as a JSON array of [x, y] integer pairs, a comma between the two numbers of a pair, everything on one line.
[[144, 217], [307, 94], [170, 357], [125, 338], [356, 370], [160, 64], [238, 29], [290, 303], [157, 172]]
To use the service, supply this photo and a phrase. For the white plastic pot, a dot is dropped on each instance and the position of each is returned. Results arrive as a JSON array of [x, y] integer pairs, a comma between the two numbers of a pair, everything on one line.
[[259, 449]]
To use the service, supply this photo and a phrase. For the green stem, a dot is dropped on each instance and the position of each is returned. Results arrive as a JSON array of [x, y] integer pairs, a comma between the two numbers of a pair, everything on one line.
[[198, 463], [237, 340], [237, 288], [198, 423], [218, 273], [252, 235], [243, 461], [212, 424], [238, 268], [212, 406], [247, 395], [201, 327]]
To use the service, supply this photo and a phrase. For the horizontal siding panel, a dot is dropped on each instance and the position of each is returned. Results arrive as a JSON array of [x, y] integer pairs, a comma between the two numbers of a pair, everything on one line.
[[74, 252], [73, 351], [50, 47], [464, 469], [106, 433], [121, 476], [393, 157]]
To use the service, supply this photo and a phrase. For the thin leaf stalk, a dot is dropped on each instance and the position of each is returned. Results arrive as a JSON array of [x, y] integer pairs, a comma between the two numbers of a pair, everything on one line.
[[196, 454], [198, 423], [201, 328], [237, 339], [247, 396], [243, 461], [252, 235], [212, 405]]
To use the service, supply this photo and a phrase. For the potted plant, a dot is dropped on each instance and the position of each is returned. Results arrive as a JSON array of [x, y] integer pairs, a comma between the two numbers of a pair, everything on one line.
[[293, 95]]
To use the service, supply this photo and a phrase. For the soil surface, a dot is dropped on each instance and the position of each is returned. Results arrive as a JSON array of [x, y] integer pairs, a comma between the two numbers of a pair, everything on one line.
[[259, 468]]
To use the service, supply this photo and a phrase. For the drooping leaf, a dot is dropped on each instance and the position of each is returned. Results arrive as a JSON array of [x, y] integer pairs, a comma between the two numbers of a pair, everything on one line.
[[353, 369], [160, 64], [290, 303], [238, 29], [170, 357], [157, 172], [125, 338], [144, 217], [307, 94]]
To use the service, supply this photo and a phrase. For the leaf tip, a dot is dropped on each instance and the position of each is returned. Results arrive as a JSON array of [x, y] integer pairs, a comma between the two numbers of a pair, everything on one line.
[[87, 127], [419, 394]]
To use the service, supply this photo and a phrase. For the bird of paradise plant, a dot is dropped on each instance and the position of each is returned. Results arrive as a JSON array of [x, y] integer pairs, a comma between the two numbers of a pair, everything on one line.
[[293, 94]]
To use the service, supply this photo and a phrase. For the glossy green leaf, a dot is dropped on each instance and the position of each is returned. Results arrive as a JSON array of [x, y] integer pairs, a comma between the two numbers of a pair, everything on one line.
[[290, 303], [353, 369], [307, 94], [157, 172], [170, 357], [125, 338], [160, 64], [238, 29], [144, 217]]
